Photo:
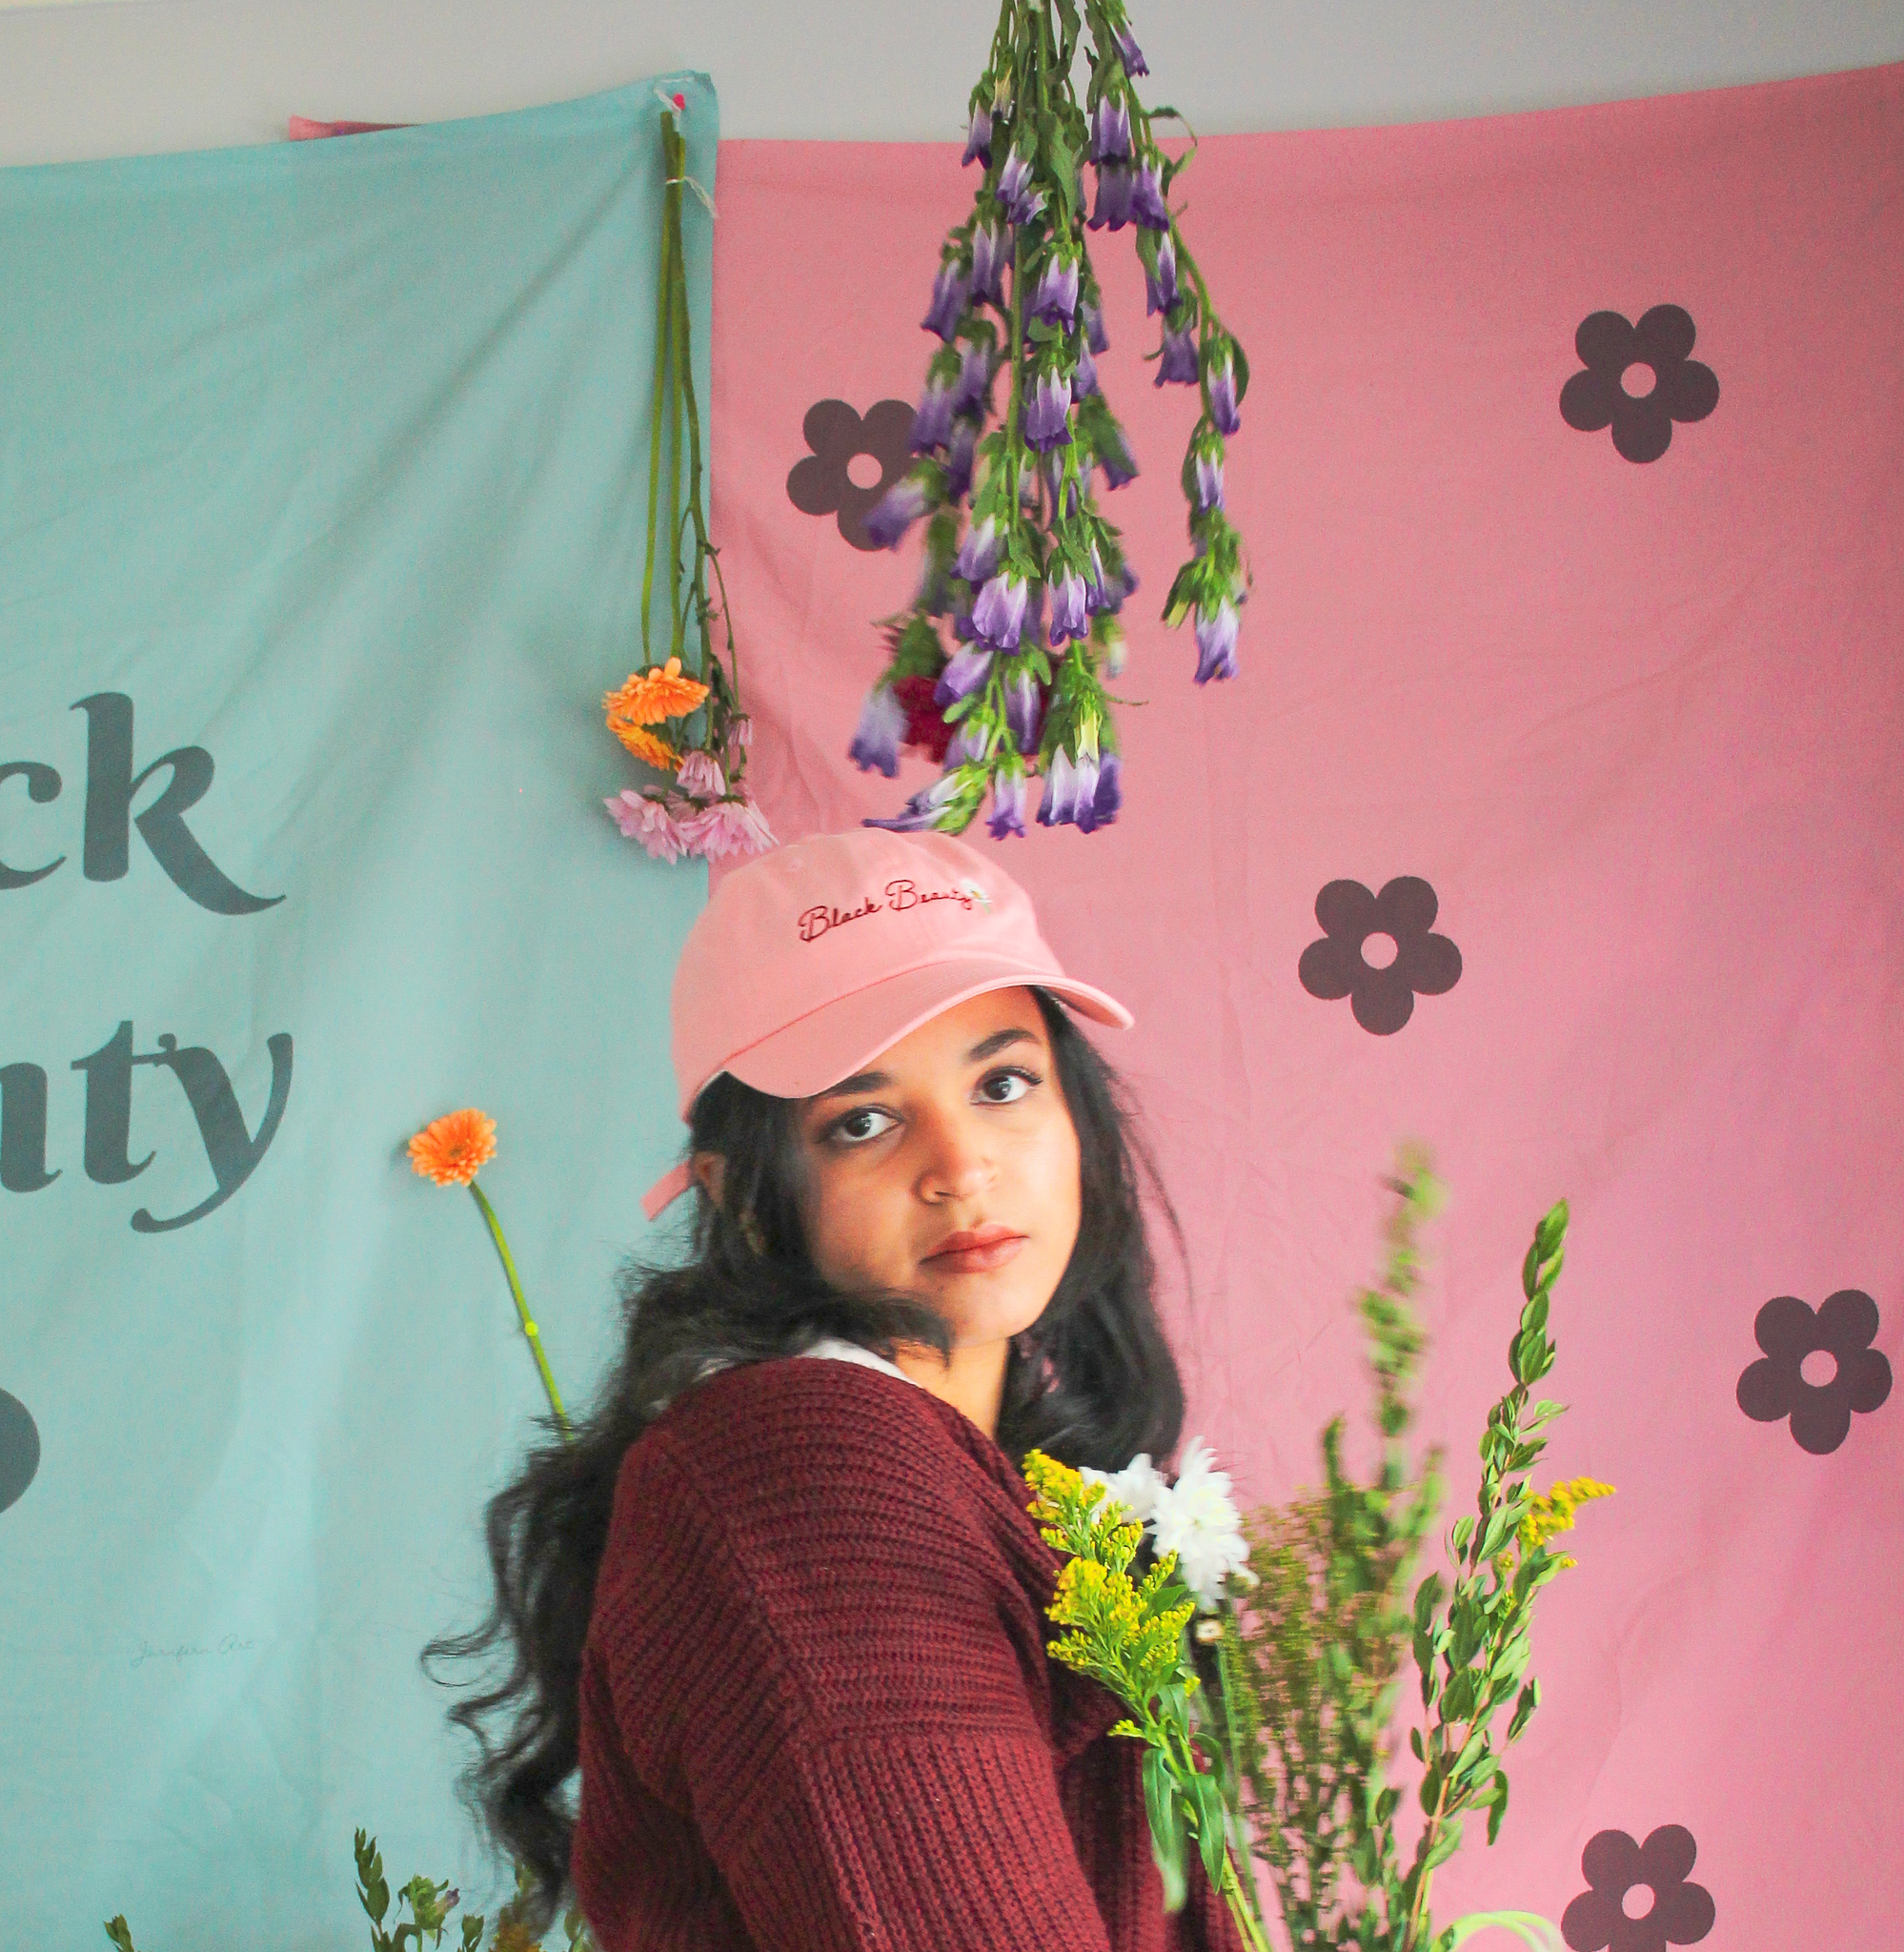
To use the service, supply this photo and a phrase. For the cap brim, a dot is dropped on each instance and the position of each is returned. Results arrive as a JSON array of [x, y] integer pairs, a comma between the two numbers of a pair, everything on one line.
[[842, 1037]]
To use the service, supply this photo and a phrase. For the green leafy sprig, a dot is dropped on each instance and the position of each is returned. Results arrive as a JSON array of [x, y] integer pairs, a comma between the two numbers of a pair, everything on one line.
[[1311, 1659], [431, 1908], [1315, 1682], [1471, 1639]]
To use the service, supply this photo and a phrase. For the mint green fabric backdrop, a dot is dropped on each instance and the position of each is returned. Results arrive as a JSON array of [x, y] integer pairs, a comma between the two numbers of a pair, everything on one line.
[[321, 521]]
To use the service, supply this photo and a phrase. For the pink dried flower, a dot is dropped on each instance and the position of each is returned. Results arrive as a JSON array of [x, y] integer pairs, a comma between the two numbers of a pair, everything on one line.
[[701, 777], [729, 827], [741, 731], [649, 822]]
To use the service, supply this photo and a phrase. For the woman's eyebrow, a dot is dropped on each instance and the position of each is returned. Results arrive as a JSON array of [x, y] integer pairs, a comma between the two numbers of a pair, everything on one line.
[[862, 1081], [880, 1081], [999, 1040]]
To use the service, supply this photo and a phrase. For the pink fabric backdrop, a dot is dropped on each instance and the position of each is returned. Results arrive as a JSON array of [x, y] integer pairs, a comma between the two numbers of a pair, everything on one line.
[[1636, 722]]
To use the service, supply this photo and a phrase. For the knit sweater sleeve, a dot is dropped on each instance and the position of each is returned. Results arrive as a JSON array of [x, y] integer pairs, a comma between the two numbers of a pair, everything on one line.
[[818, 1653]]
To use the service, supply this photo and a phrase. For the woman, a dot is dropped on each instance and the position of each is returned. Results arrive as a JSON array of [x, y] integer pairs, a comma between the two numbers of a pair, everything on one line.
[[787, 1616]]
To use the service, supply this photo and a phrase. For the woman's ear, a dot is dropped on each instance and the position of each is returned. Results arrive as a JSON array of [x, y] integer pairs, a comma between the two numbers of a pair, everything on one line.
[[710, 1174]]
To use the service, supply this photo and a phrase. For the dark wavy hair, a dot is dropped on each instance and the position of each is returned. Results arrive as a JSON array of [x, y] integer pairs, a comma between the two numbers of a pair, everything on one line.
[[1093, 1382]]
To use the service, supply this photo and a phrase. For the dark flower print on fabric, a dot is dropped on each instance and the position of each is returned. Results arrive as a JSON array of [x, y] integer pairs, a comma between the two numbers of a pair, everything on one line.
[[822, 483], [1852, 1379], [19, 1449], [1377, 951], [1609, 348], [1613, 1864]]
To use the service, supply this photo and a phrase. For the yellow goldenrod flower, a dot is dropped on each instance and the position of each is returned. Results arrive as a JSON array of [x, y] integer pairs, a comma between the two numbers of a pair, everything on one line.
[[1550, 1512]]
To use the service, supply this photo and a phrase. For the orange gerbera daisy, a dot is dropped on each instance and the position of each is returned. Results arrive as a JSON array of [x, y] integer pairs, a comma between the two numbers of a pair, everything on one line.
[[647, 747], [665, 691], [451, 1149]]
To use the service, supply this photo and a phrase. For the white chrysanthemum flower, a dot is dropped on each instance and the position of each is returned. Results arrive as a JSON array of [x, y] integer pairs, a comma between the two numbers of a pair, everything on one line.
[[1137, 1487], [1195, 1520]]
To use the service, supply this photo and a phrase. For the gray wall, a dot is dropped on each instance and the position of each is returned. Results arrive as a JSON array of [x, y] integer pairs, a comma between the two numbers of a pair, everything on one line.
[[80, 80]]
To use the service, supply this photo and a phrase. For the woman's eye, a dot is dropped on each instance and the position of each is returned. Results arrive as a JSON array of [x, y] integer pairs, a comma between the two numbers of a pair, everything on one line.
[[857, 1128], [1006, 1088]]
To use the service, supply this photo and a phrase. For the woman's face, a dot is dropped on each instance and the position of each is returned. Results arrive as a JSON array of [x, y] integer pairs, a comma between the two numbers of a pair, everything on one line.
[[950, 1170]]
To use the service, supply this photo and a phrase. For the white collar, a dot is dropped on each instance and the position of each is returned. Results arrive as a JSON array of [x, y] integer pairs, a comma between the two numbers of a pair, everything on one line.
[[842, 1351]]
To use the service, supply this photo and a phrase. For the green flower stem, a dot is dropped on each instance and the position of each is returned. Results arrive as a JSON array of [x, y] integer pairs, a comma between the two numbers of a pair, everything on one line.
[[724, 685], [522, 1310], [1242, 1907], [1180, 1749], [1236, 1776], [1528, 1925], [1014, 447], [661, 315]]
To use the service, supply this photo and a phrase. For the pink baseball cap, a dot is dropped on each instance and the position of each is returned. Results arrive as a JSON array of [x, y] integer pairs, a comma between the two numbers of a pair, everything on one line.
[[810, 961]]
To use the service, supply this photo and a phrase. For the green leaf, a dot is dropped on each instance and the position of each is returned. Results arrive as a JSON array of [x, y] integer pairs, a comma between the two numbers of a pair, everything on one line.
[[120, 1934], [1552, 1229], [1167, 1828], [1500, 1809], [1065, 168], [1530, 1269], [374, 1893], [1539, 1934], [1524, 1709], [1464, 1531], [1500, 1528], [1425, 1664], [1471, 1750], [1211, 1837], [1444, 1846], [1415, 1743], [1428, 1597], [1457, 1702]]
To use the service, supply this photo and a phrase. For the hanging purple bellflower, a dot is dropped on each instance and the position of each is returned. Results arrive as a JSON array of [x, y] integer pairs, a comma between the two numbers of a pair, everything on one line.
[[1009, 495]]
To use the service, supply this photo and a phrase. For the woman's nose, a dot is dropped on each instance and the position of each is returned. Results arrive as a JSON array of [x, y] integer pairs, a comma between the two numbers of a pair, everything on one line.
[[956, 1162]]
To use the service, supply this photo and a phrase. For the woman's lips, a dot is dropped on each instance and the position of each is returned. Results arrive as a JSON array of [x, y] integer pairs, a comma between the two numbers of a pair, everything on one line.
[[976, 1254]]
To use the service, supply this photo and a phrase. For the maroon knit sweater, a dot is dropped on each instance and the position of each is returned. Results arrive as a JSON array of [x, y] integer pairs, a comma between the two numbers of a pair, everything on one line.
[[816, 1710]]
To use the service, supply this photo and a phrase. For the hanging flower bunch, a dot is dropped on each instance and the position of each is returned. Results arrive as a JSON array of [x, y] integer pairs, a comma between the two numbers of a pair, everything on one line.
[[703, 805], [1021, 569]]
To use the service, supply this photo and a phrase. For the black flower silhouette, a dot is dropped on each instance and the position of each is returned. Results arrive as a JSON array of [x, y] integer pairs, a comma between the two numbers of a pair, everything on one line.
[[1612, 1863], [1609, 346], [19, 1449], [820, 484], [1381, 993], [1774, 1386]]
